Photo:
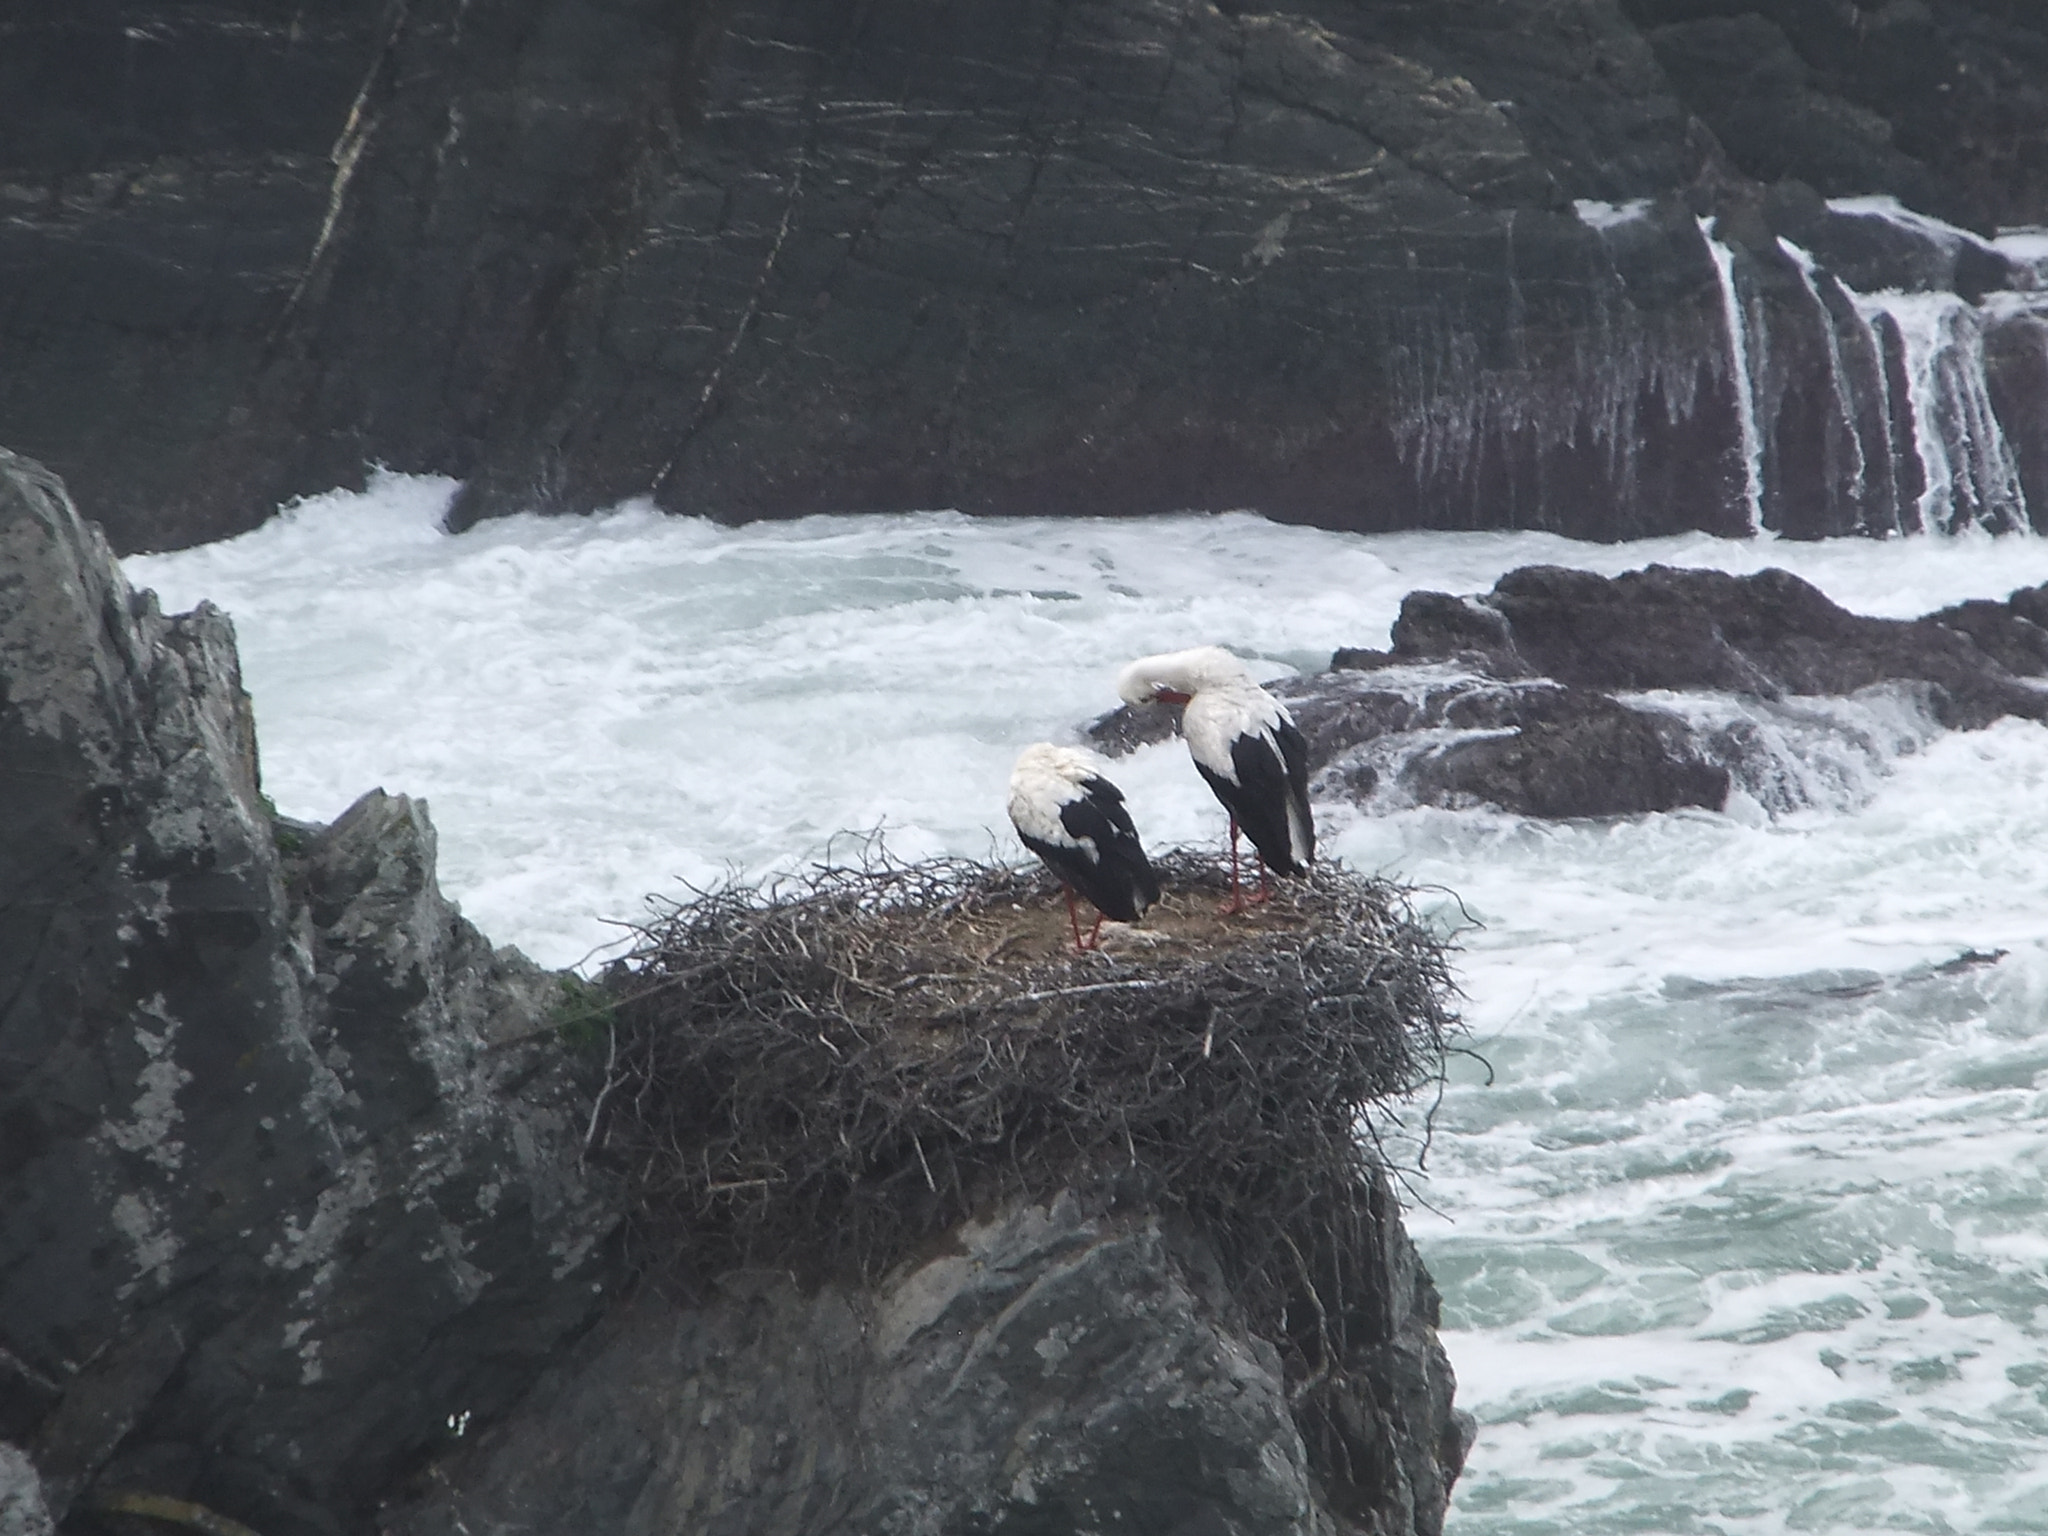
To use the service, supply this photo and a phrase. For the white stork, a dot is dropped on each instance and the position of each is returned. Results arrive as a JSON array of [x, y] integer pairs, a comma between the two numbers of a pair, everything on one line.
[[1246, 745], [1073, 818]]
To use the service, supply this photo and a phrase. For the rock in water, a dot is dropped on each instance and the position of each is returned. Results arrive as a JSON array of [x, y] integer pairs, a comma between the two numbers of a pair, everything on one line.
[[1565, 693]]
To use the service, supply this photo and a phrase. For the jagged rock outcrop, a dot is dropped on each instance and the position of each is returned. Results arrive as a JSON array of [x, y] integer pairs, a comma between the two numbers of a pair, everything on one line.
[[1769, 634], [1371, 266], [1055, 1367], [1551, 694], [294, 1210], [279, 1189]]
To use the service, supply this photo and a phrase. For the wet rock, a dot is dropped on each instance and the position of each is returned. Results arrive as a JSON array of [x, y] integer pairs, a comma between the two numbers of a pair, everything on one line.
[[1938, 104], [1595, 758], [2013, 633], [1126, 728], [1364, 266], [2016, 376], [1769, 634], [1565, 693], [280, 1188], [1054, 1367]]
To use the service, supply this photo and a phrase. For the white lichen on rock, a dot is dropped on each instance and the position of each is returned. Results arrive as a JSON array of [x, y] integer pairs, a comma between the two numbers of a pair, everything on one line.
[[153, 1246], [154, 1114]]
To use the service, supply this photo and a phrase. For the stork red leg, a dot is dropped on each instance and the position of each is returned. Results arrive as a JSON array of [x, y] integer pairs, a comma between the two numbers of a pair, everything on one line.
[[1265, 882], [1094, 939], [1237, 901]]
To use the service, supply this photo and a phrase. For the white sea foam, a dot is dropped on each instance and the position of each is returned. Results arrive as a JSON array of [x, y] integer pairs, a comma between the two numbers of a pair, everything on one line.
[[2029, 245], [1600, 215], [1747, 1233], [1892, 211]]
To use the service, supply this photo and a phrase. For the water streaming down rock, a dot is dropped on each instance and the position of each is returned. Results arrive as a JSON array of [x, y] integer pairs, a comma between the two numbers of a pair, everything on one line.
[[1869, 338], [1739, 371], [1363, 267], [1968, 472], [1842, 368]]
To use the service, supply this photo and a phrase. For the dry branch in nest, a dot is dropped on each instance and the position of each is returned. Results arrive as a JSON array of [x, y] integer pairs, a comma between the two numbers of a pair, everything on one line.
[[819, 1076]]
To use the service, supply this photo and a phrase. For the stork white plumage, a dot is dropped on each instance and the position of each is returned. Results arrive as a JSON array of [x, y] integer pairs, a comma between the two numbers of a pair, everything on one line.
[[1245, 745], [1074, 819]]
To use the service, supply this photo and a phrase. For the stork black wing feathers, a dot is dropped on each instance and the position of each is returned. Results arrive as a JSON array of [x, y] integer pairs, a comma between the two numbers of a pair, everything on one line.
[[1270, 797], [1119, 880]]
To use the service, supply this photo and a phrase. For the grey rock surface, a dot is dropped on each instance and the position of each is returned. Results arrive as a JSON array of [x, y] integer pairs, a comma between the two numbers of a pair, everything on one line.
[[22, 1512], [1413, 263], [1053, 1368], [279, 1191]]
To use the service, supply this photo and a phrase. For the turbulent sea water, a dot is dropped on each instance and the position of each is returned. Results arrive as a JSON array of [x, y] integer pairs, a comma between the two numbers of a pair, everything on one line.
[[1744, 1228]]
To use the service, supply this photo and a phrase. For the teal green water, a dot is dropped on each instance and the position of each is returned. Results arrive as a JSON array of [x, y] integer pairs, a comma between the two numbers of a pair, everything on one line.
[[1737, 1253]]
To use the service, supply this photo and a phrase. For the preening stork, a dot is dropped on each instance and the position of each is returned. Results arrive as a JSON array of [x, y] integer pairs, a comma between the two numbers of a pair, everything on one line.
[[1073, 818], [1246, 745]]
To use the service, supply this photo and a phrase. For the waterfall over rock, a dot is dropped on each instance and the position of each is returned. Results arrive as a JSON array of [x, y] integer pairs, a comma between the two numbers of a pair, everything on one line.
[[1476, 264]]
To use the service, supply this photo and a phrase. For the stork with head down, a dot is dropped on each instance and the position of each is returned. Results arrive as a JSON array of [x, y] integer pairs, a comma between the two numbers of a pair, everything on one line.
[[1075, 820], [1246, 745]]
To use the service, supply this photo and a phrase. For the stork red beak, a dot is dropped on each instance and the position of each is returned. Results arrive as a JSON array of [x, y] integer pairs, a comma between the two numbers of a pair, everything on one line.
[[1168, 696]]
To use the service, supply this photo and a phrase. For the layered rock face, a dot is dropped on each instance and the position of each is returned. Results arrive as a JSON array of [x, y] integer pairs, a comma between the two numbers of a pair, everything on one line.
[[1393, 265], [294, 1211]]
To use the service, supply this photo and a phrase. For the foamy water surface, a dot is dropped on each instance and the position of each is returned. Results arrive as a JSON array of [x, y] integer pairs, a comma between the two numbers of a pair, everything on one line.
[[1749, 1229]]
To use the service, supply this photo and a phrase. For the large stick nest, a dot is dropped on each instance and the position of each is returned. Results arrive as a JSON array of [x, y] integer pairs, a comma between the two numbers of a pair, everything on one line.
[[821, 1075]]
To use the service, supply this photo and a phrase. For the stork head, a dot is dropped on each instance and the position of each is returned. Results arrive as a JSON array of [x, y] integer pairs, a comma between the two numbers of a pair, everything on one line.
[[1178, 676]]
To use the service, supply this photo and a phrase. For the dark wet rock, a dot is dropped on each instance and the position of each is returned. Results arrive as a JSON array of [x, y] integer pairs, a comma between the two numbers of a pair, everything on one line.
[[1455, 737], [164, 174], [1109, 256], [280, 1188], [1747, 82], [2013, 633], [1942, 105], [1594, 758], [1055, 1367], [2016, 380], [1565, 693], [1128, 727], [1769, 634]]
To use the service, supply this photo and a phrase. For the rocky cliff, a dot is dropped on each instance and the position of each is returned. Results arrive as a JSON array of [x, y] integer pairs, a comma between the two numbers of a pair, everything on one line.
[[1373, 265], [307, 1211], [279, 1191]]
